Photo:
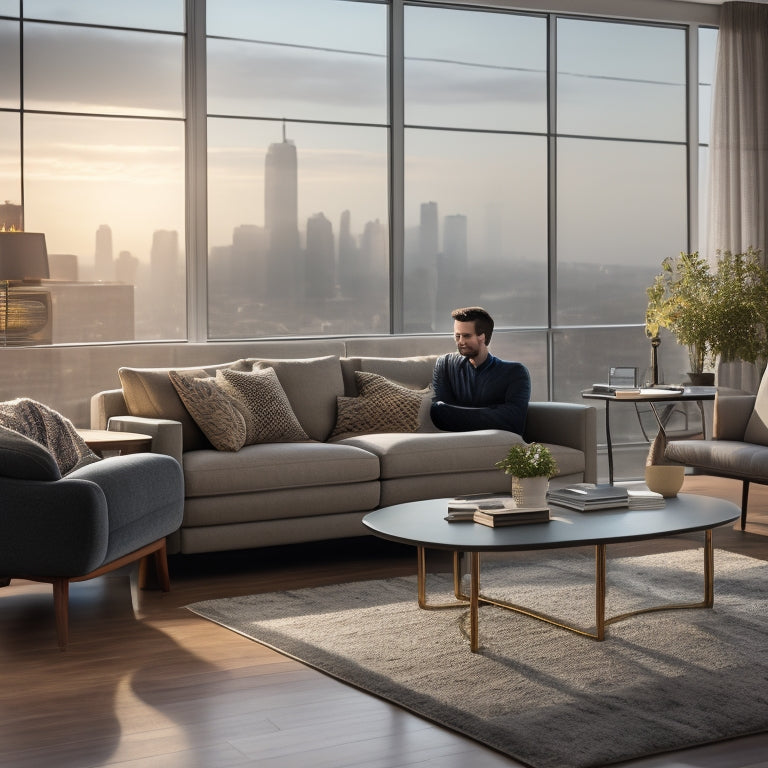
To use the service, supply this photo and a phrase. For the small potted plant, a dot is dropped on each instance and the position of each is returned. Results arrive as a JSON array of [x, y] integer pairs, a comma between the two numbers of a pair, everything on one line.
[[530, 465], [680, 300]]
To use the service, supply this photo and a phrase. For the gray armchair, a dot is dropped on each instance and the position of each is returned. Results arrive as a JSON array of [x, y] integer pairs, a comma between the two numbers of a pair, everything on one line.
[[739, 445], [98, 518]]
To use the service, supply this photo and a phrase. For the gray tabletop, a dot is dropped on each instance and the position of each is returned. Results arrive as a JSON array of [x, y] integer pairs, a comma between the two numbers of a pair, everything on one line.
[[422, 523]]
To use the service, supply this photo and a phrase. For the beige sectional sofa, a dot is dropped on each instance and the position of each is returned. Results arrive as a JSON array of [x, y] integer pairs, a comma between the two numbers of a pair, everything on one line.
[[320, 488]]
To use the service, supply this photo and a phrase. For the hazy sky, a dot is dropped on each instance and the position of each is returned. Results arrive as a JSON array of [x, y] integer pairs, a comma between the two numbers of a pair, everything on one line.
[[326, 60]]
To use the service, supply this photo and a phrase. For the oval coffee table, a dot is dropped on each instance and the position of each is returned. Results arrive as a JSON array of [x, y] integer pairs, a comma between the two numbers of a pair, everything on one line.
[[423, 524]]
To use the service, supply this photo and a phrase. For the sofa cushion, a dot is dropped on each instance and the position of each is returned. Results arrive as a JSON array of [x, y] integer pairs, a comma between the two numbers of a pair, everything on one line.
[[21, 458], [276, 466], [149, 393], [404, 455], [311, 385], [730, 457], [214, 411], [381, 406], [271, 414], [413, 372]]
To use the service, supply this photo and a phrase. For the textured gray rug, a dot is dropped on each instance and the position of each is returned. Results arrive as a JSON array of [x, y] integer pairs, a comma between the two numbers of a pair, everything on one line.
[[547, 697]]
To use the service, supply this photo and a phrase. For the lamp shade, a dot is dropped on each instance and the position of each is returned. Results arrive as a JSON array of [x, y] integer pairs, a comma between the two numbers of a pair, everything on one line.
[[23, 256]]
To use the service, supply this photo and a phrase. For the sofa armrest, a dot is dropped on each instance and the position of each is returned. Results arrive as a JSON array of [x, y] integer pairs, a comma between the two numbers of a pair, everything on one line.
[[732, 414], [570, 424], [106, 404], [166, 434], [52, 528]]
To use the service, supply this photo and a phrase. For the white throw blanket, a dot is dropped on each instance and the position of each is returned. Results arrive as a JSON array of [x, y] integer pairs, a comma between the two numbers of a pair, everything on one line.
[[53, 431]]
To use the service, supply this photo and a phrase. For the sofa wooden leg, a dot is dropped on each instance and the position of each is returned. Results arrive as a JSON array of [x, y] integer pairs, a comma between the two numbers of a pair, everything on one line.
[[744, 501], [61, 609]]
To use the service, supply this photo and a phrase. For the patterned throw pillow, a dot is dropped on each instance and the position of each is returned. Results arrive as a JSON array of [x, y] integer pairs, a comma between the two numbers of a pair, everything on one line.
[[251, 430], [383, 406], [268, 404], [213, 410]]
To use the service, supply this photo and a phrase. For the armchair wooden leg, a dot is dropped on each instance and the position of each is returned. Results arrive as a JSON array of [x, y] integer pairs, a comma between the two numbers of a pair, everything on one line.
[[61, 609], [160, 557], [744, 501]]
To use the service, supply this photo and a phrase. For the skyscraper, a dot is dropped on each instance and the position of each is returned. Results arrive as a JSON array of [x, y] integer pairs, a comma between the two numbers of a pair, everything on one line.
[[281, 219], [104, 263], [320, 272]]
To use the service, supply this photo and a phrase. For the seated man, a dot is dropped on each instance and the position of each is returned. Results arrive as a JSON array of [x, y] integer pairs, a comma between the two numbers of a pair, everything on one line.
[[474, 389]]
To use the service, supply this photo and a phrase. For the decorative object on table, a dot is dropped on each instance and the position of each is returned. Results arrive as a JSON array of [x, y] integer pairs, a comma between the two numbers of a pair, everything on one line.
[[589, 497], [720, 311], [680, 300], [24, 315], [662, 475], [530, 465]]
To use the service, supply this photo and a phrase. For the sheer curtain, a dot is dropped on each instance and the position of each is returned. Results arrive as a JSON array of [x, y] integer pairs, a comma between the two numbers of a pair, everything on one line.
[[738, 154], [738, 159]]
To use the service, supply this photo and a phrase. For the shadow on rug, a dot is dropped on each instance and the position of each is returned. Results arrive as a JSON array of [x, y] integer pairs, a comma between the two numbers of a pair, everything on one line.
[[542, 695]]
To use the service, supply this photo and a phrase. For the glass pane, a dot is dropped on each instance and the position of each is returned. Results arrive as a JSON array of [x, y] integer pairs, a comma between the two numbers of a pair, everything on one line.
[[76, 69], [620, 80], [10, 172], [109, 196], [318, 60], [583, 357], [528, 348], [483, 70], [707, 50], [298, 229], [476, 227], [703, 195], [145, 14], [622, 208], [9, 64], [9, 8]]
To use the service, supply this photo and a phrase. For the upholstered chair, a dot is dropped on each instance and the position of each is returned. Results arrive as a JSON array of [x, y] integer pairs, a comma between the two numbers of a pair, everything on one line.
[[97, 518], [739, 445]]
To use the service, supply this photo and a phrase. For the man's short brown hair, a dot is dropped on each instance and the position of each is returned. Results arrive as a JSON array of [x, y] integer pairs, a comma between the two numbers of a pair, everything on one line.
[[477, 315]]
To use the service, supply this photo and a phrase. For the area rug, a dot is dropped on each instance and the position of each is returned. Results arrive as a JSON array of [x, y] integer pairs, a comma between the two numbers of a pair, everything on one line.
[[542, 695]]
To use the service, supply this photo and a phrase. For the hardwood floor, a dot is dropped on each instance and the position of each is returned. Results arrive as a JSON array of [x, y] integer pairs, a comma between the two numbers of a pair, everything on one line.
[[146, 683]]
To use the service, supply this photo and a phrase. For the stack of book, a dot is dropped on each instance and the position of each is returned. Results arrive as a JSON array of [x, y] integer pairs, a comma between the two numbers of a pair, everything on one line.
[[493, 511], [640, 499], [495, 517], [587, 497]]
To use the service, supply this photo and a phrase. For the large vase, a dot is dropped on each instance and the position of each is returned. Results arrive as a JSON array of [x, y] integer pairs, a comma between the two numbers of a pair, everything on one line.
[[530, 491]]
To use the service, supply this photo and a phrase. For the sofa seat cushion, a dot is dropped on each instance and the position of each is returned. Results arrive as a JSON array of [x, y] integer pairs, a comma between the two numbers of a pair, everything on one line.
[[435, 453], [275, 466], [729, 457], [439, 453]]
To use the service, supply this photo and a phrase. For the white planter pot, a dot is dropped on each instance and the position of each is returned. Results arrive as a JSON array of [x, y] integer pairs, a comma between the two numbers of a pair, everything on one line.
[[530, 491]]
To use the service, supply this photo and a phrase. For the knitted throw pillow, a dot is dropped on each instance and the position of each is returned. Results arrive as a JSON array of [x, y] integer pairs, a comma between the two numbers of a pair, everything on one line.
[[215, 412], [274, 420], [382, 406]]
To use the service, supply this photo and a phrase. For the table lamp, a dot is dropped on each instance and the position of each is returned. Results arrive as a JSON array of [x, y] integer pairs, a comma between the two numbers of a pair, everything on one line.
[[23, 258]]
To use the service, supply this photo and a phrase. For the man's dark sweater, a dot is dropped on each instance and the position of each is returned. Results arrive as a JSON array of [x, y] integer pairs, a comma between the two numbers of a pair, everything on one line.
[[493, 396]]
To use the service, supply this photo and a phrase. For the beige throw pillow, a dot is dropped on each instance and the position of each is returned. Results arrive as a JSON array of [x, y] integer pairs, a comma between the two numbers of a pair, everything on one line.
[[383, 406], [260, 390], [215, 412]]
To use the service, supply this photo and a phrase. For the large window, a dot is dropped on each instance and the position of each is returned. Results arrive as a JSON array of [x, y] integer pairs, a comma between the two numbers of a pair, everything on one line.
[[475, 167], [298, 219], [94, 115], [356, 169]]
